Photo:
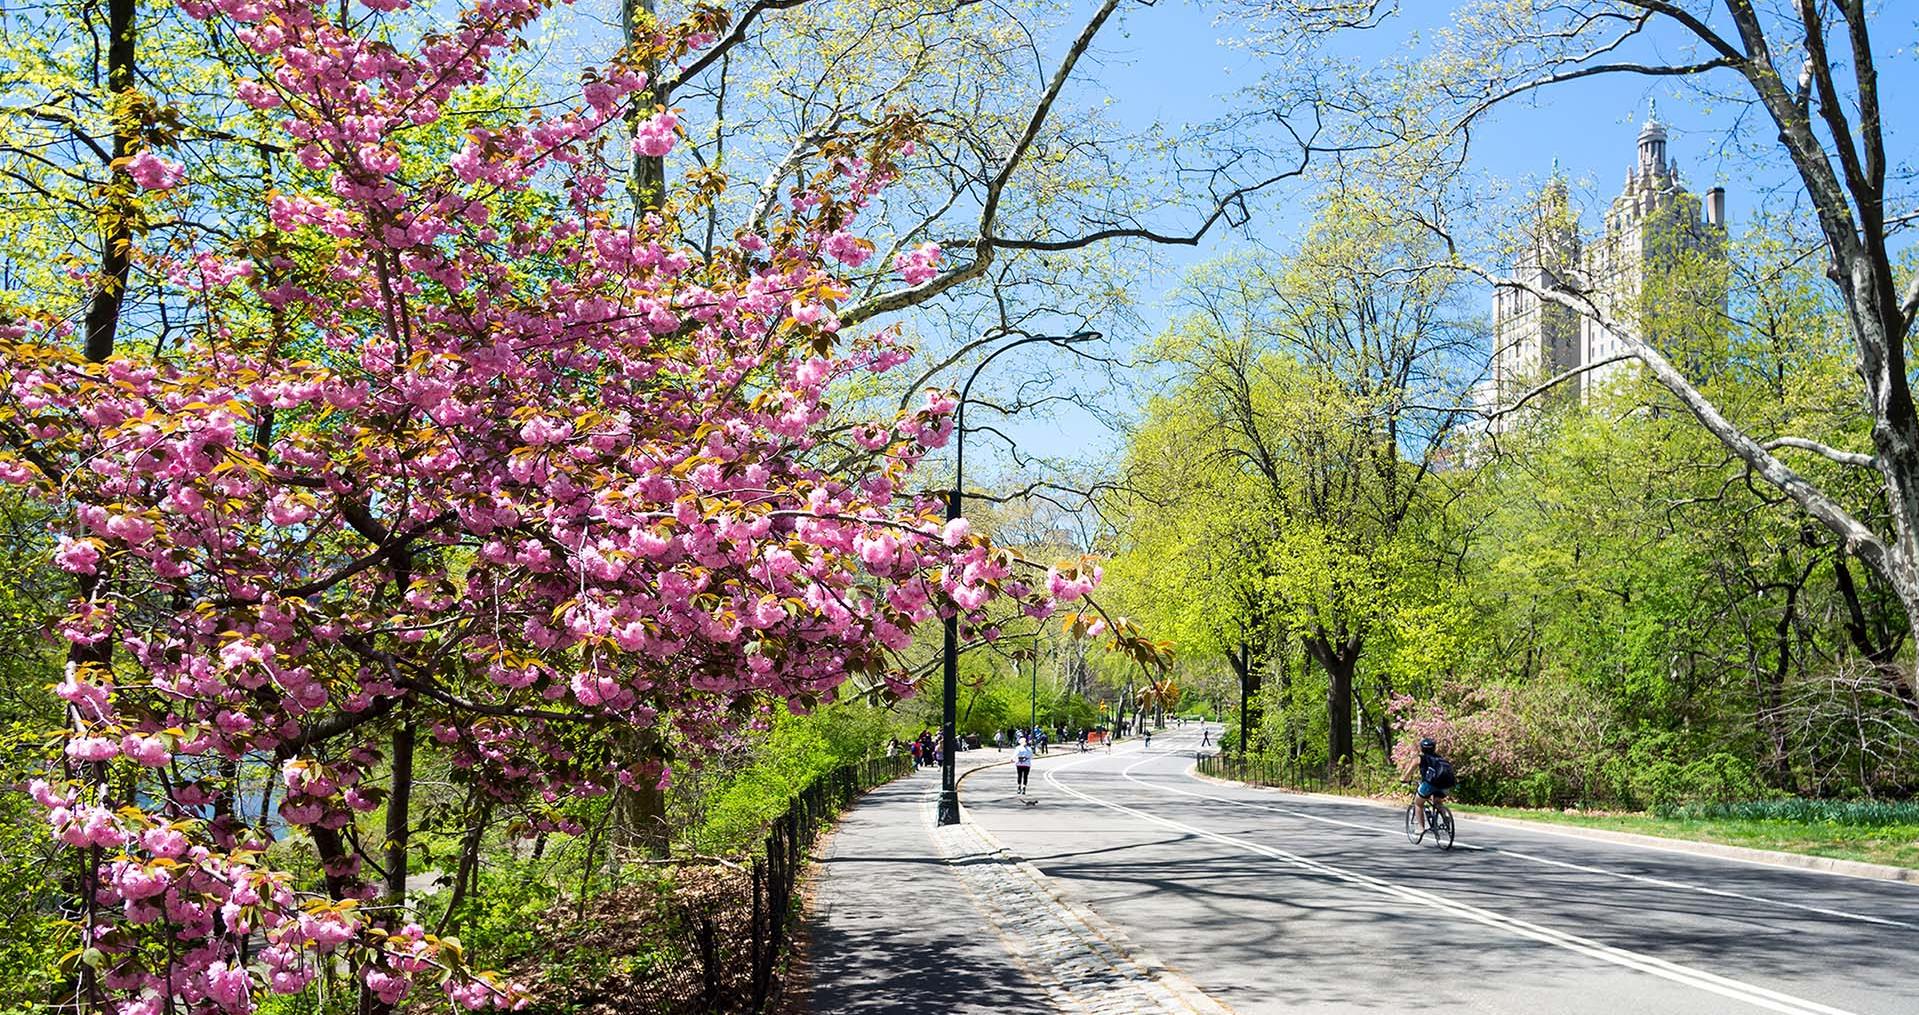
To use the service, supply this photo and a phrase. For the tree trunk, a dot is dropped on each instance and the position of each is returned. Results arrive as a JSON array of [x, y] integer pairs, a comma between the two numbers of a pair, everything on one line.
[[1880, 653], [331, 847], [648, 184], [102, 321], [1339, 661], [1339, 715], [116, 219], [467, 873], [398, 819], [642, 818], [1379, 724], [1772, 698], [1249, 683]]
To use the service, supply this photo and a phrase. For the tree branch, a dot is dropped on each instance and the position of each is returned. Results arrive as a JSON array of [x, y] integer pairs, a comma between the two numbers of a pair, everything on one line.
[[984, 248], [1547, 385], [720, 48], [1858, 538], [1842, 457]]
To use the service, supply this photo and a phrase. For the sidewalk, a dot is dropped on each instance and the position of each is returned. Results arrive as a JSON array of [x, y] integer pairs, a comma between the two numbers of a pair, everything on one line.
[[912, 918], [892, 926]]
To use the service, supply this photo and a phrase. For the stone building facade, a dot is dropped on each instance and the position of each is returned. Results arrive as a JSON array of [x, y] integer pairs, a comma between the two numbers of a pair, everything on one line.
[[1653, 222]]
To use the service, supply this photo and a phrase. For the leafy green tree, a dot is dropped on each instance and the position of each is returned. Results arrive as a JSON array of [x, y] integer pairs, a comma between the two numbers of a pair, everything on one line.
[[1294, 471], [1810, 73]]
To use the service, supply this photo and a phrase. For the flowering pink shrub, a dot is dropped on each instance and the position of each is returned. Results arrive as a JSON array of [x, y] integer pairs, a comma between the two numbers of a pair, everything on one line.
[[455, 440], [1478, 729]]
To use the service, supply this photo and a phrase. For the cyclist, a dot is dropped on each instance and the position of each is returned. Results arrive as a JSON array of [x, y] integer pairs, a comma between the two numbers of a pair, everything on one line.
[[1435, 778]]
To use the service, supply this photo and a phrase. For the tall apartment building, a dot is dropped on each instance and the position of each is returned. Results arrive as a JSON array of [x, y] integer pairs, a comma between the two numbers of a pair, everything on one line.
[[1653, 222]]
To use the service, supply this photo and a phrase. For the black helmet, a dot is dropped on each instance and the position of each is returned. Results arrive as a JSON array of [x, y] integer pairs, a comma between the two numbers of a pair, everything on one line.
[[1426, 745]]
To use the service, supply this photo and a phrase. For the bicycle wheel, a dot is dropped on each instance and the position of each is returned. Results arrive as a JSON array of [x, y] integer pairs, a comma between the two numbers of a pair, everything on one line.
[[1412, 823], [1442, 827]]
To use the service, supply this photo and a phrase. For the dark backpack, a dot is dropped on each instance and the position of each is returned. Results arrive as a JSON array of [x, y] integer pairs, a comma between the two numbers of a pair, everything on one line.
[[1439, 772]]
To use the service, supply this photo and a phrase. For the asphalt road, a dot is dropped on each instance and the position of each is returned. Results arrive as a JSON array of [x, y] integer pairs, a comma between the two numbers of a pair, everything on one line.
[[1277, 902]]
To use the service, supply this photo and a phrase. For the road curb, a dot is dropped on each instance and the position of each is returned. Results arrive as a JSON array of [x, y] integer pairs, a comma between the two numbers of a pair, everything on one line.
[[1747, 854], [1743, 854], [1183, 990], [959, 780]]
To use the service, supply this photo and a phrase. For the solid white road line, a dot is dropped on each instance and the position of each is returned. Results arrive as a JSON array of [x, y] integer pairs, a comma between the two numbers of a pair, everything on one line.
[[1621, 875], [1752, 994], [1541, 828]]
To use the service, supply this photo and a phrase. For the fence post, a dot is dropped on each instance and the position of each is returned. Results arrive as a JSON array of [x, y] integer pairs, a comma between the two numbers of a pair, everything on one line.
[[762, 965]]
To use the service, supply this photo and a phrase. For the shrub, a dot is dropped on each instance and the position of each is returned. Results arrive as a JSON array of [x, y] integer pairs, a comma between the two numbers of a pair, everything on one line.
[[32, 935], [797, 750]]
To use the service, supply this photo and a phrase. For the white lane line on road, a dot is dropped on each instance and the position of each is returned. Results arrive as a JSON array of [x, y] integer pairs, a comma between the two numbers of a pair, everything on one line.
[[1752, 994], [1128, 773], [1622, 875], [1704, 890], [1541, 828]]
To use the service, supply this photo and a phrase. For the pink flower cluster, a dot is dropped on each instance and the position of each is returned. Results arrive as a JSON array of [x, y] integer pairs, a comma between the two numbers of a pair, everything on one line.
[[656, 135], [152, 172], [1478, 728], [918, 265], [538, 472]]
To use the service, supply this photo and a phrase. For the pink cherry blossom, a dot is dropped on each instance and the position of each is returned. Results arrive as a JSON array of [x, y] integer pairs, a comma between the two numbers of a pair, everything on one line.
[[93, 749], [464, 439], [918, 265], [847, 248], [80, 556], [152, 172], [656, 135], [164, 841]]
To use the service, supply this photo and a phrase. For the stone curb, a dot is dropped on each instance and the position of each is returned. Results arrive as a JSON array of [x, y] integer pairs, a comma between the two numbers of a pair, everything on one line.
[[1184, 991], [1743, 854], [1747, 854]]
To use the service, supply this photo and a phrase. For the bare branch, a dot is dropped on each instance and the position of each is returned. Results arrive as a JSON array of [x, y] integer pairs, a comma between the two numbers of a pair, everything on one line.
[[770, 187], [1842, 457], [984, 248], [1858, 537], [1550, 383], [720, 48], [1644, 69]]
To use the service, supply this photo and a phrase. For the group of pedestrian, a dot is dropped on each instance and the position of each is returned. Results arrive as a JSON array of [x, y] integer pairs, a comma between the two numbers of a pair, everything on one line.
[[926, 749]]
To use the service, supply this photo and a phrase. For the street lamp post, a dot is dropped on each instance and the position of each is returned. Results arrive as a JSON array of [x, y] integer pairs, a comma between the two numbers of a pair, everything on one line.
[[1032, 719], [949, 812]]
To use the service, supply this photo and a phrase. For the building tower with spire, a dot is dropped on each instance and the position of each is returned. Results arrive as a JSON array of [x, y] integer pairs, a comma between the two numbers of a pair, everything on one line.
[[1534, 338], [1649, 227]]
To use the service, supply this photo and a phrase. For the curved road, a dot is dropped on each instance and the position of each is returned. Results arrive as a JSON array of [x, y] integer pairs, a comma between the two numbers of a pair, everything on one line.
[[1276, 902]]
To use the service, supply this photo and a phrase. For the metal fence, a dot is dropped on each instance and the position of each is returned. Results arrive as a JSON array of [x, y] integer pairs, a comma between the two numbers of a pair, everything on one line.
[[775, 874], [1282, 772]]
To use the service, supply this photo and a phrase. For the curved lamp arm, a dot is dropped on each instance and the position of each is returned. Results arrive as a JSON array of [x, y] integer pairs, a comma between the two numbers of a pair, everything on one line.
[[966, 390]]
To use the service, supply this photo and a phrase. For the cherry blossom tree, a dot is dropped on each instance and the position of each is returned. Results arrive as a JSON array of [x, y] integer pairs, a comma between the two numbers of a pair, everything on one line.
[[457, 447]]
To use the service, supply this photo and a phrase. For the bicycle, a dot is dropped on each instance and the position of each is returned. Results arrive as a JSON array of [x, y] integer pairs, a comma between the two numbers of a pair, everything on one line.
[[1439, 821]]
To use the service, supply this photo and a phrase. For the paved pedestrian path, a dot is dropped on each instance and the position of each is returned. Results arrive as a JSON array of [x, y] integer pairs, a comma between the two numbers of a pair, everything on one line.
[[910, 917]]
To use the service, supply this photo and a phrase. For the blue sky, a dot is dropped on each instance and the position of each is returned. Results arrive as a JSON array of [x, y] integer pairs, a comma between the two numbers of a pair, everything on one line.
[[1169, 64]]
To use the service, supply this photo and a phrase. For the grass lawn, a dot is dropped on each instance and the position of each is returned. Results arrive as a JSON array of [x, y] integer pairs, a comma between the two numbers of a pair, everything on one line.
[[1896, 844]]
